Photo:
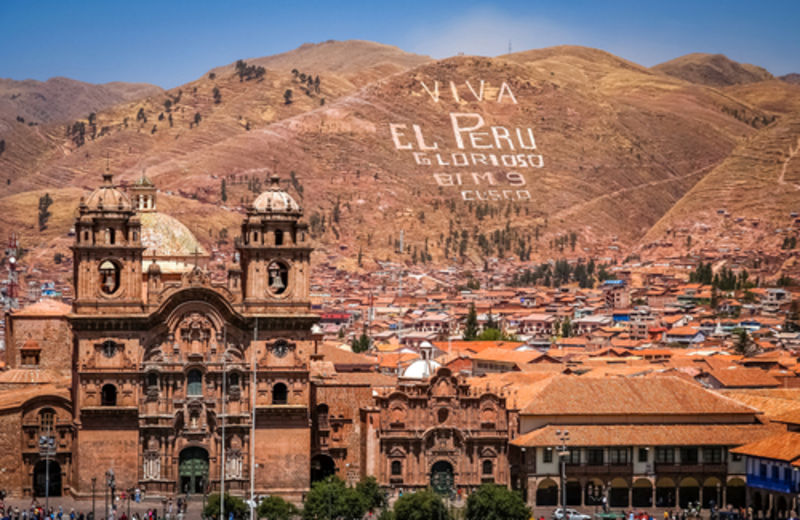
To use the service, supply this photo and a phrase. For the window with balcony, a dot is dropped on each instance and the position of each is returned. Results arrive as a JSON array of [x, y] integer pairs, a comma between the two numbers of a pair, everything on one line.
[[108, 395], [573, 456], [397, 468], [712, 455], [618, 456], [46, 421], [594, 456], [665, 455], [689, 456]]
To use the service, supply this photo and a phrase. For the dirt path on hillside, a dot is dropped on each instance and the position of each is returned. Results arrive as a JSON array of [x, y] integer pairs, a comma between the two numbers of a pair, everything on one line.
[[612, 194]]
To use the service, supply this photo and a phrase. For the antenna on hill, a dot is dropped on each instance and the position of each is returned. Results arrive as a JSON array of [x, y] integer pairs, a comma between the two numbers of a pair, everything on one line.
[[509, 46]]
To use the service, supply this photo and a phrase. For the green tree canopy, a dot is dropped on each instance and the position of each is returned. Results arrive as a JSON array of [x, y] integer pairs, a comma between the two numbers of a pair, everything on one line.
[[493, 502], [373, 495], [276, 508], [235, 504], [331, 499], [422, 505]]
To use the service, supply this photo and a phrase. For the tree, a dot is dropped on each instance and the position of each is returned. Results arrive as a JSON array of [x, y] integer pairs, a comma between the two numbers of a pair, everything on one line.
[[287, 97], [197, 118], [217, 96], [331, 499], [233, 505], [372, 493], [743, 343], [223, 191], [714, 300], [2, 146], [566, 328], [471, 326], [44, 204], [422, 505], [276, 508], [361, 344], [493, 502]]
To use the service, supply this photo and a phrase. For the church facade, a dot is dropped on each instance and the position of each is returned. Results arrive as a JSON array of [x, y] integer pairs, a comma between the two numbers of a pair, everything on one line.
[[154, 356]]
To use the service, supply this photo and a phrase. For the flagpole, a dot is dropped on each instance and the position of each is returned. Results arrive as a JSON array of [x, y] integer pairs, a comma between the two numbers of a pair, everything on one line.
[[222, 466], [253, 425]]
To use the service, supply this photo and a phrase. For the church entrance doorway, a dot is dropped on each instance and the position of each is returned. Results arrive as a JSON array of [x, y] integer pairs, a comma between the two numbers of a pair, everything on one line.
[[193, 470], [442, 477], [41, 475]]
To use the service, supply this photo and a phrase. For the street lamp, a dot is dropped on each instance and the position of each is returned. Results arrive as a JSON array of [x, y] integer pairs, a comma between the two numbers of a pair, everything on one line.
[[563, 437], [47, 449], [110, 485]]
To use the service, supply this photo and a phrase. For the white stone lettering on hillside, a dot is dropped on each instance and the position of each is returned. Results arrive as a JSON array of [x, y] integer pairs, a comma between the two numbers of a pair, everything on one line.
[[486, 162]]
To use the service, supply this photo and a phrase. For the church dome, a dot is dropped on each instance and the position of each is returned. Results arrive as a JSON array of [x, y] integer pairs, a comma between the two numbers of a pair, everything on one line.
[[107, 197], [275, 199], [165, 236], [421, 369]]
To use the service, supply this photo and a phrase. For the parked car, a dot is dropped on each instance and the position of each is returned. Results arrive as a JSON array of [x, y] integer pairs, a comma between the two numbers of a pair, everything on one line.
[[571, 515]]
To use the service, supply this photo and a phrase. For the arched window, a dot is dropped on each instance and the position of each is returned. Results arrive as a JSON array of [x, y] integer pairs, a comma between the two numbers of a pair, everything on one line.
[[280, 394], [488, 467], [152, 380], [194, 383], [109, 395], [278, 277], [233, 379], [47, 419], [397, 468], [278, 237], [109, 277]]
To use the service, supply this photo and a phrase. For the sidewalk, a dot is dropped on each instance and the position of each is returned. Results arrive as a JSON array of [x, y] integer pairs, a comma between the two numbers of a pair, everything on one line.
[[194, 507]]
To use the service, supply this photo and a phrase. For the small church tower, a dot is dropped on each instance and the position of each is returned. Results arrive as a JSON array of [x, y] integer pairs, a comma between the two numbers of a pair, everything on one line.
[[274, 252], [107, 254]]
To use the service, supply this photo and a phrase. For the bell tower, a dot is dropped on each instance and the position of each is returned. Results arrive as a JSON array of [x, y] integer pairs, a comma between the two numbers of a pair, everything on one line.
[[107, 254], [275, 252]]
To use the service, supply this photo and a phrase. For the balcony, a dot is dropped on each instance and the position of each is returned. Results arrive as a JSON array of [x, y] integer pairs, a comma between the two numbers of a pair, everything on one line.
[[696, 468], [781, 486], [576, 470]]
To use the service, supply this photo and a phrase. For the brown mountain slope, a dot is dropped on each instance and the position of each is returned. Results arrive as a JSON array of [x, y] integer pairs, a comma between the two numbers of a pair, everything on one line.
[[744, 201], [714, 70], [616, 145], [772, 95], [60, 99], [356, 60], [791, 78]]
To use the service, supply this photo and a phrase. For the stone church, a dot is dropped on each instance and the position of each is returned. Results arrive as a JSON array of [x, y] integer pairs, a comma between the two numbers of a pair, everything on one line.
[[133, 375]]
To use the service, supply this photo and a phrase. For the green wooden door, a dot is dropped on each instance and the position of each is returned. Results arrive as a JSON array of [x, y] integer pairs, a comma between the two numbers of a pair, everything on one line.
[[442, 477], [193, 470]]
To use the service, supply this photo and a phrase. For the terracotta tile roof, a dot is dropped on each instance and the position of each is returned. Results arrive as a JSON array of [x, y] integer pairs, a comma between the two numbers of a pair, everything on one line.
[[647, 435], [735, 376], [772, 407], [45, 308], [785, 446], [475, 346], [668, 395], [339, 356], [33, 376]]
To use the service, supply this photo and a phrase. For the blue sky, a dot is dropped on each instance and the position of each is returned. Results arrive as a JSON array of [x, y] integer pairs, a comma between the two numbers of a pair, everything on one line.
[[170, 43]]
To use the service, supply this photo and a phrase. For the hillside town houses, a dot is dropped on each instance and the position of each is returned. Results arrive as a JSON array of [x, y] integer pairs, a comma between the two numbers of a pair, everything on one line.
[[665, 392]]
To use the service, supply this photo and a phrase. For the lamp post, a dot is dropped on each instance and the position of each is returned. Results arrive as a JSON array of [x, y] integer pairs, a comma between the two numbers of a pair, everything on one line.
[[94, 481], [563, 437], [110, 485], [47, 449]]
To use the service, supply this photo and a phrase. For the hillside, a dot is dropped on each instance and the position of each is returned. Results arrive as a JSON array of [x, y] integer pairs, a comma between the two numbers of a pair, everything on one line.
[[746, 202], [794, 77], [714, 70], [519, 155], [60, 99]]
